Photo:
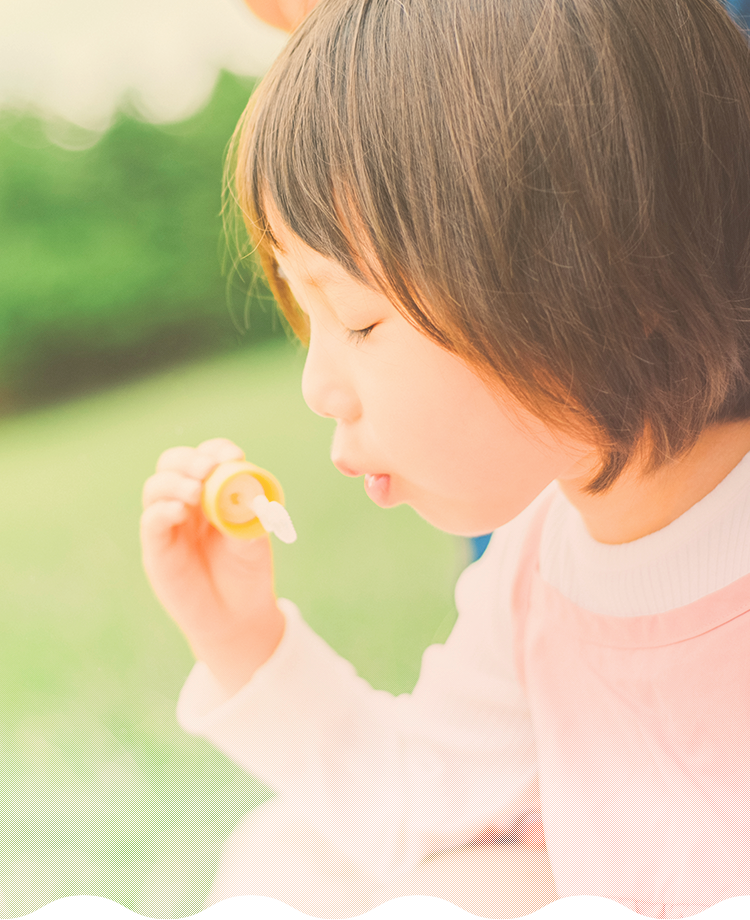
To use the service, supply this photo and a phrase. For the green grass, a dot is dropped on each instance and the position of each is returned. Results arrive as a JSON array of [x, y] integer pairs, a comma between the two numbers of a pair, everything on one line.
[[100, 791]]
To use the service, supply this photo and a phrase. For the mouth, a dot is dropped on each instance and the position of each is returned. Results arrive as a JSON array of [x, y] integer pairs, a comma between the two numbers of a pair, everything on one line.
[[377, 485], [378, 488]]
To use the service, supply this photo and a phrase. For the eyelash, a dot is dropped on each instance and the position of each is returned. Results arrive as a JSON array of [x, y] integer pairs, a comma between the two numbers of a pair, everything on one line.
[[359, 335]]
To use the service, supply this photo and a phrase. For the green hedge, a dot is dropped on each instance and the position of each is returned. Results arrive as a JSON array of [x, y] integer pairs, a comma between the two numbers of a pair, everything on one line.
[[110, 257]]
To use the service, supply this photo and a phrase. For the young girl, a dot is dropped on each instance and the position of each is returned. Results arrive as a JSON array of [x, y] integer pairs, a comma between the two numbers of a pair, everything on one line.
[[516, 234]]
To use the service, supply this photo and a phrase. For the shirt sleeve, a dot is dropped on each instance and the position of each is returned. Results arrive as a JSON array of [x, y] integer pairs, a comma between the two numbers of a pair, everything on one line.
[[389, 779]]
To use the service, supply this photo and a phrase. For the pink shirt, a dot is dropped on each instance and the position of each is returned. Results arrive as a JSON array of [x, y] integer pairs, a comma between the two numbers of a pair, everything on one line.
[[642, 727]]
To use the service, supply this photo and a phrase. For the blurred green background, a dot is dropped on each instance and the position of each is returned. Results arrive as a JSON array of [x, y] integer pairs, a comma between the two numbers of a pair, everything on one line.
[[111, 255], [119, 338]]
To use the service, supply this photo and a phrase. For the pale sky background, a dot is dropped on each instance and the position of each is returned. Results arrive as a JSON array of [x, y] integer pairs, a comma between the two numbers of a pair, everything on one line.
[[77, 59]]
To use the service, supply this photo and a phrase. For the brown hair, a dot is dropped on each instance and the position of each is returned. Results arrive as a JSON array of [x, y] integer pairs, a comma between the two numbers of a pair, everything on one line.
[[557, 191]]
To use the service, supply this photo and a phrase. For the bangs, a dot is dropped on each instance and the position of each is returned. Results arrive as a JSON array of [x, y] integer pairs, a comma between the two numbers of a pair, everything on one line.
[[294, 154], [322, 147]]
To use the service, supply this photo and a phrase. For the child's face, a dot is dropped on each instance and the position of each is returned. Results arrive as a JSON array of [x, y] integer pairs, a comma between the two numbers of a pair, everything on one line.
[[413, 418]]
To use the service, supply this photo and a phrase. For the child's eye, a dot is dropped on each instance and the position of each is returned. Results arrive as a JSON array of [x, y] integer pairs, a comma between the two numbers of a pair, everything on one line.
[[359, 335]]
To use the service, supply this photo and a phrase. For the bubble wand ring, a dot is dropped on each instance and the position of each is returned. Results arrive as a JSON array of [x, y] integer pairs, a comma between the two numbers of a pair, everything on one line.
[[244, 501]]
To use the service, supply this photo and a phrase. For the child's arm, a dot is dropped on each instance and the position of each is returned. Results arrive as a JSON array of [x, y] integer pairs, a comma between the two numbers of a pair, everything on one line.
[[218, 590], [390, 779]]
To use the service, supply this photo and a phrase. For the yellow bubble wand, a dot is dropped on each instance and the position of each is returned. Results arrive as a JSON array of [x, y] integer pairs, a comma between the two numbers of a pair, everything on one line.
[[244, 501]]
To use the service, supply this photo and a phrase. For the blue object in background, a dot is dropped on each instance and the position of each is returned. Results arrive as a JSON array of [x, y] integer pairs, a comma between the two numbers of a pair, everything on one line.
[[479, 545], [741, 10]]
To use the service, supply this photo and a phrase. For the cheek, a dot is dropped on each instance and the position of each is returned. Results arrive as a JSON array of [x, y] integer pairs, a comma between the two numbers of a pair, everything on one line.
[[439, 421], [470, 445]]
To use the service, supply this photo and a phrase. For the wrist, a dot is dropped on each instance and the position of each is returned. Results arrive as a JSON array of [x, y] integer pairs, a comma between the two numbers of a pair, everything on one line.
[[235, 656]]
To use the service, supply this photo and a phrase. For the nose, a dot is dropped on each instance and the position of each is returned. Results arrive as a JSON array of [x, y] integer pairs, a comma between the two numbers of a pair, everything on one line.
[[326, 387]]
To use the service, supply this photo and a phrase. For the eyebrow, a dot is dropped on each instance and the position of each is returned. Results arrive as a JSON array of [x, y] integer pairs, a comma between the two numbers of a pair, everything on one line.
[[315, 279], [318, 279], [322, 277]]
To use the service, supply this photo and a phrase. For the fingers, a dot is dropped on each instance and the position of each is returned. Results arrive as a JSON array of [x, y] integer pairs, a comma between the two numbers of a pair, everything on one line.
[[221, 449], [169, 486], [163, 516], [198, 462], [158, 522], [180, 471], [186, 461]]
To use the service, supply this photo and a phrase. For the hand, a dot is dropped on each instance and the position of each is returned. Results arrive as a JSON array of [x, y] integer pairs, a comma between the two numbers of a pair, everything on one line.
[[284, 14], [218, 590]]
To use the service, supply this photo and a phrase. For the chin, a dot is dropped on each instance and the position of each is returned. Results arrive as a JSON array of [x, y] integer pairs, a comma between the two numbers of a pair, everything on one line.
[[460, 525]]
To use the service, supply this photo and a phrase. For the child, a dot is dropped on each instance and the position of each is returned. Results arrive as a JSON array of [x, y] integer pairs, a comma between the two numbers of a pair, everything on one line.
[[517, 236]]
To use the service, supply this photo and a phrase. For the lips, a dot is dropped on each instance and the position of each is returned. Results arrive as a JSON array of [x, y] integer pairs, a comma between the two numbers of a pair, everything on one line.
[[378, 487]]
